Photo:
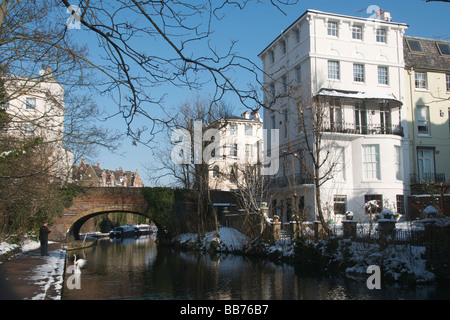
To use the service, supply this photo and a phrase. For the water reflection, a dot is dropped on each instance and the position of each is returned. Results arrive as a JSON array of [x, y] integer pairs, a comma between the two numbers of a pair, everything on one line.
[[137, 269]]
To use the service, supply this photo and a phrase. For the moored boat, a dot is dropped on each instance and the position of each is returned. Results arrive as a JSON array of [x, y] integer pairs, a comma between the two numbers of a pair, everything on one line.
[[124, 232], [144, 229]]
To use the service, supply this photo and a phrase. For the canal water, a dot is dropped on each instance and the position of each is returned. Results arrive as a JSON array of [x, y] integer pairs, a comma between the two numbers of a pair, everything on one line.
[[138, 269]]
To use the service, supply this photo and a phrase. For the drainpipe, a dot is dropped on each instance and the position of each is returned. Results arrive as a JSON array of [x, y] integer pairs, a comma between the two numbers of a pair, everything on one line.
[[413, 120]]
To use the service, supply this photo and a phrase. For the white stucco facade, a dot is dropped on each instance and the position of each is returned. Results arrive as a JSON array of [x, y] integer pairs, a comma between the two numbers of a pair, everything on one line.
[[356, 67], [37, 108], [238, 151]]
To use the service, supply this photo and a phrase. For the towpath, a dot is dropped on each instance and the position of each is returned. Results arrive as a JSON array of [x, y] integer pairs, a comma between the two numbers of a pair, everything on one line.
[[30, 276]]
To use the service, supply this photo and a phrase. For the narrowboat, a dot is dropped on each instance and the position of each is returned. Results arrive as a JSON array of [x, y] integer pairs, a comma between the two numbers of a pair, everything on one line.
[[124, 232]]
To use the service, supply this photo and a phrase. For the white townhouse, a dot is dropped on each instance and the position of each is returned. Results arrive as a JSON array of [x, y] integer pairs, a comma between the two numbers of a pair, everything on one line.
[[238, 155], [36, 107], [353, 68]]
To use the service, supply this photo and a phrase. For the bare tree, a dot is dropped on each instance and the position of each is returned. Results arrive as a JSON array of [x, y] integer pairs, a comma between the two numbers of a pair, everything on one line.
[[313, 145], [191, 119], [149, 44], [35, 48]]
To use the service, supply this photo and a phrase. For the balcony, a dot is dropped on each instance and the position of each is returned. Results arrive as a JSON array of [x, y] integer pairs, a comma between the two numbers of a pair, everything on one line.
[[352, 128], [289, 181], [427, 178]]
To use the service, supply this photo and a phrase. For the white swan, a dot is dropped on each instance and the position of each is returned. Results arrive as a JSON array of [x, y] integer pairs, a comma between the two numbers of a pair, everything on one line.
[[80, 263]]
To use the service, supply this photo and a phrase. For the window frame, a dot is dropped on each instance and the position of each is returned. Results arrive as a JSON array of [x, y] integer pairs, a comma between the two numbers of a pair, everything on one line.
[[410, 48], [297, 35], [284, 83], [383, 76], [448, 121], [271, 56], [425, 122], [398, 163], [283, 46], [333, 29], [233, 129], [233, 150], [368, 163], [357, 30], [440, 50], [29, 128], [298, 74], [29, 105], [422, 82], [381, 35], [334, 70], [339, 200], [286, 122], [339, 166], [248, 129], [447, 82], [359, 75], [400, 203], [248, 150]]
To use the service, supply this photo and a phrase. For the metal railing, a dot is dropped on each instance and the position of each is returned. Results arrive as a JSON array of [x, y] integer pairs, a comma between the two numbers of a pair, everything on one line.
[[291, 180], [427, 178], [353, 128]]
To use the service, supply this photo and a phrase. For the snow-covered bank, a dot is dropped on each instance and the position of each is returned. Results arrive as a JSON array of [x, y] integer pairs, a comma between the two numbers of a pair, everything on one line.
[[401, 263], [47, 274], [6, 248], [229, 240], [28, 245]]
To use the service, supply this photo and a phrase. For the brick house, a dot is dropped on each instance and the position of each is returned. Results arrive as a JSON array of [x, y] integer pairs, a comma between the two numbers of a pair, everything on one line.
[[94, 176]]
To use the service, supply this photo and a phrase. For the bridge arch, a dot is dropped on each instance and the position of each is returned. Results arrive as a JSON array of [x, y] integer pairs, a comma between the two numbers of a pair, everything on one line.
[[95, 201], [78, 220]]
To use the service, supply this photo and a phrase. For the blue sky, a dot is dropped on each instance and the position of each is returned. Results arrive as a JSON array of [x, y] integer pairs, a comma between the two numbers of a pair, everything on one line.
[[257, 25]]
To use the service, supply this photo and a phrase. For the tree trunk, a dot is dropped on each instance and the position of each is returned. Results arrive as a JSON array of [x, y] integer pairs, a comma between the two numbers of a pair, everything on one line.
[[318, 203]]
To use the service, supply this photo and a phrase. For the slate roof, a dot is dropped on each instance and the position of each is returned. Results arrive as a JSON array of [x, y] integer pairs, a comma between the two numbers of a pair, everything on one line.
[[430, 59]]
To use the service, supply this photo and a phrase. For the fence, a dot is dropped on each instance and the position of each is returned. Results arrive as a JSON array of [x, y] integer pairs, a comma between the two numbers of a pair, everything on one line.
[[412, 237], [365, 234]]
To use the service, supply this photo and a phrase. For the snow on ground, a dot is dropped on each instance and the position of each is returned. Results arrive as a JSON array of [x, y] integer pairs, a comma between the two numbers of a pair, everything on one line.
[[6, 247], [229, 240], [398, 261], [28, 245], [49, 275]]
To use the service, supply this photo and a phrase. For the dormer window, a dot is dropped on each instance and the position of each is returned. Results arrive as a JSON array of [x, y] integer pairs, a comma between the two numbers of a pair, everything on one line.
[[444, 48], [414, 46]]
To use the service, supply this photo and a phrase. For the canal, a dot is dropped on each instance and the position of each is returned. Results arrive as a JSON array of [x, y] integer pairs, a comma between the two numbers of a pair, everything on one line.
[[139, 269]]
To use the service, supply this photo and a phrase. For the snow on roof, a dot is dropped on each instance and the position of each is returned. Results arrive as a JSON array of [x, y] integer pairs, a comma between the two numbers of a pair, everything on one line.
[[358, 94]]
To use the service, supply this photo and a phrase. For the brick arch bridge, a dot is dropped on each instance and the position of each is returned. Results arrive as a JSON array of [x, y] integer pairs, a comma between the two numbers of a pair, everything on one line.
[[94, 201]]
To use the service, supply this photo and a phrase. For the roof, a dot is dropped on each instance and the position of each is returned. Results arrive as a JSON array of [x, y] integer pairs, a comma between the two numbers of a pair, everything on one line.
[[367, 95], [430, 59]]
